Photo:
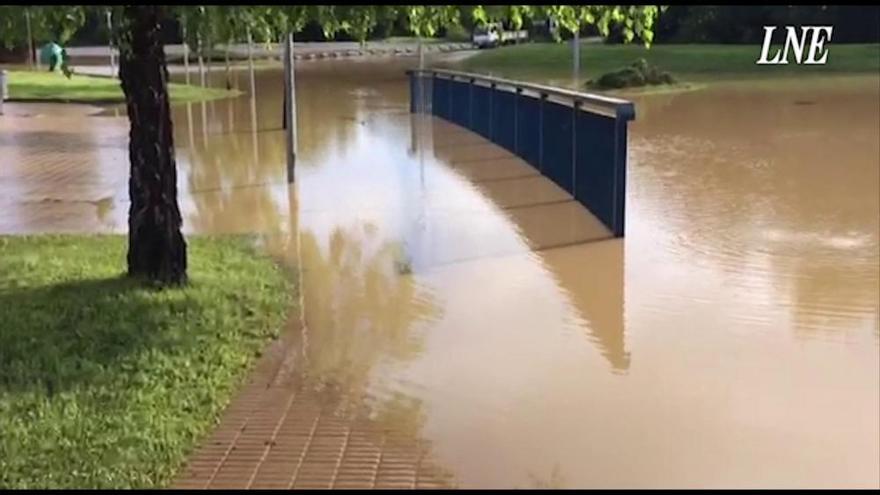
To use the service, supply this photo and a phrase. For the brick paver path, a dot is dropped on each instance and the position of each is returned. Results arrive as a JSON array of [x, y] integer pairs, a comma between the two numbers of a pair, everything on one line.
[[282, 432]]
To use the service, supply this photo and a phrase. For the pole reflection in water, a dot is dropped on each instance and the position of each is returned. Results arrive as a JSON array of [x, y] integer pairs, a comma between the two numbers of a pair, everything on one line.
[[189, 126], [253, 102], [204, 124], [230, 114]]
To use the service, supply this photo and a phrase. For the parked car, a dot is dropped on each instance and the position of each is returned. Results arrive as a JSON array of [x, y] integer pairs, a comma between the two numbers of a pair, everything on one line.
[[494, 34]]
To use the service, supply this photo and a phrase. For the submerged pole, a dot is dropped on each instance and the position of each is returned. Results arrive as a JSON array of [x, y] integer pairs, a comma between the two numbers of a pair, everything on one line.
[[228, 74], [110, 43], [201, 62], [185, 48], [31, 54], [250, 48], [290, 106]]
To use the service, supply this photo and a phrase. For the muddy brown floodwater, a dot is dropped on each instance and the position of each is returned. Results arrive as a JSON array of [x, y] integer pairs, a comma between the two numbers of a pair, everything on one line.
[[731, 339]]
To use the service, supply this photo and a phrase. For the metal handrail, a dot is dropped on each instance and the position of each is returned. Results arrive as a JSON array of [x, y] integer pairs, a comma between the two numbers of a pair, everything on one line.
[[622, 109]]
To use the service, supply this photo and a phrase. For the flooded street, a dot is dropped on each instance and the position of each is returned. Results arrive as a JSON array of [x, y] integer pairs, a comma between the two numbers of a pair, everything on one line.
[[453, 295]]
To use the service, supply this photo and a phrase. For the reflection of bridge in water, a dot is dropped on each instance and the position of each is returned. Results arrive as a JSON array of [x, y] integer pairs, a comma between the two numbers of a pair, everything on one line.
[[546, 217]]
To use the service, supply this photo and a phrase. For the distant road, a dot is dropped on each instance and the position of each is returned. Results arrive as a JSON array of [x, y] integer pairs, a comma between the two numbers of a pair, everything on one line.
[[327, 49]]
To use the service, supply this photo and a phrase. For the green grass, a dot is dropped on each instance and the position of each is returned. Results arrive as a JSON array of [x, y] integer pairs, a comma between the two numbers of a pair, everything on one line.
[[542, 61], [105, 383], [53, 86]]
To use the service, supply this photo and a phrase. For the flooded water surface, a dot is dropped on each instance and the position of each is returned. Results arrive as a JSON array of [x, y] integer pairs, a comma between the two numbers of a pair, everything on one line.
[[732, 338]]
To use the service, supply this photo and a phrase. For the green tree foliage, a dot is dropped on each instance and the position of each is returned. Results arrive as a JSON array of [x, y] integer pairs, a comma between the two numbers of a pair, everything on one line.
[[267, 23], [47, 23]]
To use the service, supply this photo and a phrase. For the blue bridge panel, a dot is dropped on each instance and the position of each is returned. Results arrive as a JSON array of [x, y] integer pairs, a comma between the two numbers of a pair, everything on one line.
[[440, 97], [503, 119], [481, 116], [528, 132], [581, 151], [557, 148], [460, 112], [596, 186]]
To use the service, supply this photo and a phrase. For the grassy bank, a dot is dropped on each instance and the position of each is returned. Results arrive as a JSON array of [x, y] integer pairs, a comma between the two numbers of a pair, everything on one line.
[[105, 383], [52, 86], [706, 63]]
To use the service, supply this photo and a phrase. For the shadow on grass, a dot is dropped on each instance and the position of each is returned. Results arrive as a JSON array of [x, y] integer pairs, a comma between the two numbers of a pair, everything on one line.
[[75, 334]]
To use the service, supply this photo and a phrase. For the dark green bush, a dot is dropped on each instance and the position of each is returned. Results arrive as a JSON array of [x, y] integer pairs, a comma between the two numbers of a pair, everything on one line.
[[640, 73]]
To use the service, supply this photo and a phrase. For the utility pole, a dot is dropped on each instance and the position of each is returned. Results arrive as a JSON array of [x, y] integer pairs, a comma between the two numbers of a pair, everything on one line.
[[250, 43], [253, 98], [110, 43], [228, 74], [32, 56], [201, 62], [185, 49], [290, 106]]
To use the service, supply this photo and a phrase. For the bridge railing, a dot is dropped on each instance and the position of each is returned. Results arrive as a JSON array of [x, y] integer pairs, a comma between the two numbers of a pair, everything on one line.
[[578, 140]]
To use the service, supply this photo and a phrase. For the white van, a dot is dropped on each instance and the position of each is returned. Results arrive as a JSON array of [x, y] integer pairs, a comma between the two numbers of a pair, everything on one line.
[[487, 36], [493, 34]]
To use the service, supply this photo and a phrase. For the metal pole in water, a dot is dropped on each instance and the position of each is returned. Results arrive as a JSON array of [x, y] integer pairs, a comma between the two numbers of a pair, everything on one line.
[[290, 106], [253, 96], [250, 43], [201, 62], [209, 51], [226, 60], [110, 43], [185, 49], [31, 54]]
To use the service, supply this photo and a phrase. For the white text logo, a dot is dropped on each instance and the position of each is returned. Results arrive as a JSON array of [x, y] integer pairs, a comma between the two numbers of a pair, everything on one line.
[[817, 54]]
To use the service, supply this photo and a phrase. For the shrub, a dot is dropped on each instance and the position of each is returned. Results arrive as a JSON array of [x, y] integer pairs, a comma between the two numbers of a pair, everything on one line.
[[640, 73]]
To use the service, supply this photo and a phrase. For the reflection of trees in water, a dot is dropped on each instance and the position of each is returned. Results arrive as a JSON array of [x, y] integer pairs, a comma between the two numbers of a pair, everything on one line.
[[360, 310], [362, 315], [230, 189], [832, 297], [329, 112]]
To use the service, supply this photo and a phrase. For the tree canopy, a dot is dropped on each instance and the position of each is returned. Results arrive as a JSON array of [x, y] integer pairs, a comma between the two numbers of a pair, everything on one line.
[[265, 23]]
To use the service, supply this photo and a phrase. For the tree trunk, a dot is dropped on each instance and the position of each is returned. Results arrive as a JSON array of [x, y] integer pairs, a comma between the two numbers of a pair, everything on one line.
[[156, 247]]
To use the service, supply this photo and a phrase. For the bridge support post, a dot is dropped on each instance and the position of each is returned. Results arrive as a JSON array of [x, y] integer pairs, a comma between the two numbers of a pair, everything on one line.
[[491, 111], [619, 202], [575, 108], [541, 101], [518, 92]]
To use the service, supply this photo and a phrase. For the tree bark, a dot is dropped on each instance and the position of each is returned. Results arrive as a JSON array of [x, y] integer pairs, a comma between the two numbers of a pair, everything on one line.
[[156, 247]]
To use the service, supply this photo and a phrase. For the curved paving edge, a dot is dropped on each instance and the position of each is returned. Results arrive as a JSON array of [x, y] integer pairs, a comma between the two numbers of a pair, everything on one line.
[[278, 432]]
